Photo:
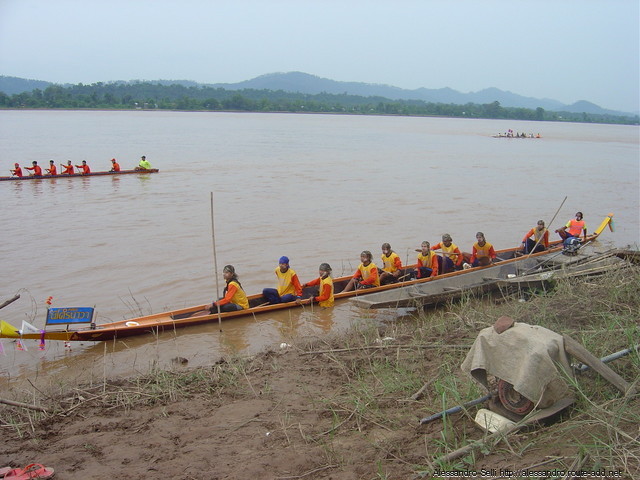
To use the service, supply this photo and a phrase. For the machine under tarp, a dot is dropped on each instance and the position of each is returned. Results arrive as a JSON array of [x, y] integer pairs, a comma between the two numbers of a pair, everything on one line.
[[529, 357]]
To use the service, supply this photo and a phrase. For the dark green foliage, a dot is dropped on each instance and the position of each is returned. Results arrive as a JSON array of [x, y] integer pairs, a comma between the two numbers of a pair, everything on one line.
[[147, 95]]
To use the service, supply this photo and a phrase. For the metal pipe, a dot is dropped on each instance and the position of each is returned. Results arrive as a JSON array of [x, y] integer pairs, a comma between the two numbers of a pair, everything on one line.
[[581, 367], [455, 409]]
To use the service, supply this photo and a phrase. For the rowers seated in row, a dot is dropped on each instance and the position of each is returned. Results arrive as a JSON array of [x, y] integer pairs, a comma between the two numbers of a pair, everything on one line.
[[37, 171], [540, 240], [482, 254], [366, 276]]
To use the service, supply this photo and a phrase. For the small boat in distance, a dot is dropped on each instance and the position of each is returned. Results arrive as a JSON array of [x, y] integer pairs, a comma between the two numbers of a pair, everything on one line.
[[92, 174]]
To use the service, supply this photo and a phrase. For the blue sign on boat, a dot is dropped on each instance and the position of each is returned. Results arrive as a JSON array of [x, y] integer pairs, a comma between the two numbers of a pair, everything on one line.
[[60, 316]]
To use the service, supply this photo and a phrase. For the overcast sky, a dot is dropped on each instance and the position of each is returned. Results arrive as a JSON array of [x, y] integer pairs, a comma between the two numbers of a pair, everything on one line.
[[565, 50]]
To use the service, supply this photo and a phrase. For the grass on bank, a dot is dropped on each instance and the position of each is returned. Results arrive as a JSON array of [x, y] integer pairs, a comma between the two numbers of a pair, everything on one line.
[[381, 366]]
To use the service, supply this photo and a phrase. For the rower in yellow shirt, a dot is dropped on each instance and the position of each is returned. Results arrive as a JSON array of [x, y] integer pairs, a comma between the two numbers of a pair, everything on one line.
[[325, 287], [289, 288], [391, 265], [366, 276]]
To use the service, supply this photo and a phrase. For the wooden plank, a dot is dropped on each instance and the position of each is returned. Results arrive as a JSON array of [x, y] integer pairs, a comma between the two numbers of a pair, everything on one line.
[[575, 349]]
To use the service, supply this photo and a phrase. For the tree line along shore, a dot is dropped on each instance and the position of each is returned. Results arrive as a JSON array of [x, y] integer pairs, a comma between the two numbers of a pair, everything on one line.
[[151, 96]]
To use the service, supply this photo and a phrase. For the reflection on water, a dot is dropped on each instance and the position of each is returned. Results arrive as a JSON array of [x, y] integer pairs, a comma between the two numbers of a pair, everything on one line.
[[317, 188]]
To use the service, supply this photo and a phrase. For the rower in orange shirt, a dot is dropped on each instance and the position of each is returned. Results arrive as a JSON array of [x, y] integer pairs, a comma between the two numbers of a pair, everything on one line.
[[17, 171], [37, 171], [366, 276], [574, 228], [68, 168], [52, 168], [84, 168], [115, 167]]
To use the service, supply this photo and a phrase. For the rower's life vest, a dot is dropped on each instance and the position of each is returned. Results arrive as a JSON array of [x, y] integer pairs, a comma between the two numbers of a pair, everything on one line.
[[425, 260], [482, 251], [239, 298], [447, 252], [365, 272], [389, 263], [326, 281], [538, 234], [576, 227], [285, 282]]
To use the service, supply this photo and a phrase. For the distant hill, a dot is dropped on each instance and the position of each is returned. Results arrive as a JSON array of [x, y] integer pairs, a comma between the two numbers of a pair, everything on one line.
[[15, 85], [311, 85]]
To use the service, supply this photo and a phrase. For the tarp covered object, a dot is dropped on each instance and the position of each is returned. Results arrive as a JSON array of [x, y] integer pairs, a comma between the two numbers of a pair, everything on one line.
[[527, 356]]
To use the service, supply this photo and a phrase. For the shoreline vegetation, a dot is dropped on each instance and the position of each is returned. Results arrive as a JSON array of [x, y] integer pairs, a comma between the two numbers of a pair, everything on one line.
[[152, 96], [346, 405]]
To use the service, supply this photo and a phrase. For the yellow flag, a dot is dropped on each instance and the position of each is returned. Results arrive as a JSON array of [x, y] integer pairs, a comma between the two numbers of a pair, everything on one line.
[[8, 330]]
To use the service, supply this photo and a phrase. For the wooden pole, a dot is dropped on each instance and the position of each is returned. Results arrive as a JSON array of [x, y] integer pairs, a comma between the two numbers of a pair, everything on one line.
[[23, 405], [215, 263], [11, 300]]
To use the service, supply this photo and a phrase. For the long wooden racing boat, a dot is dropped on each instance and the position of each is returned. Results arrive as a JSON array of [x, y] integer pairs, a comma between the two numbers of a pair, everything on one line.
[[180, 318], [92, 174]]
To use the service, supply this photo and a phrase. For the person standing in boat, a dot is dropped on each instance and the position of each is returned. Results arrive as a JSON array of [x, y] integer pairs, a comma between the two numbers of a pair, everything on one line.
[[68, 168], [289, 288], [573, 228], [451, 258], [144, 164], [115, 167], [366, 276], [17, 171], [37, 171], [324, 282], [84, 168], [391, 265], [540, 240], [52, 170], [427, 262], [483, 252]]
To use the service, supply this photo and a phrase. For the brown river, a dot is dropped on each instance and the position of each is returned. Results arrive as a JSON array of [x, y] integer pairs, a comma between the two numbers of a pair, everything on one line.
[[317, 188]]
